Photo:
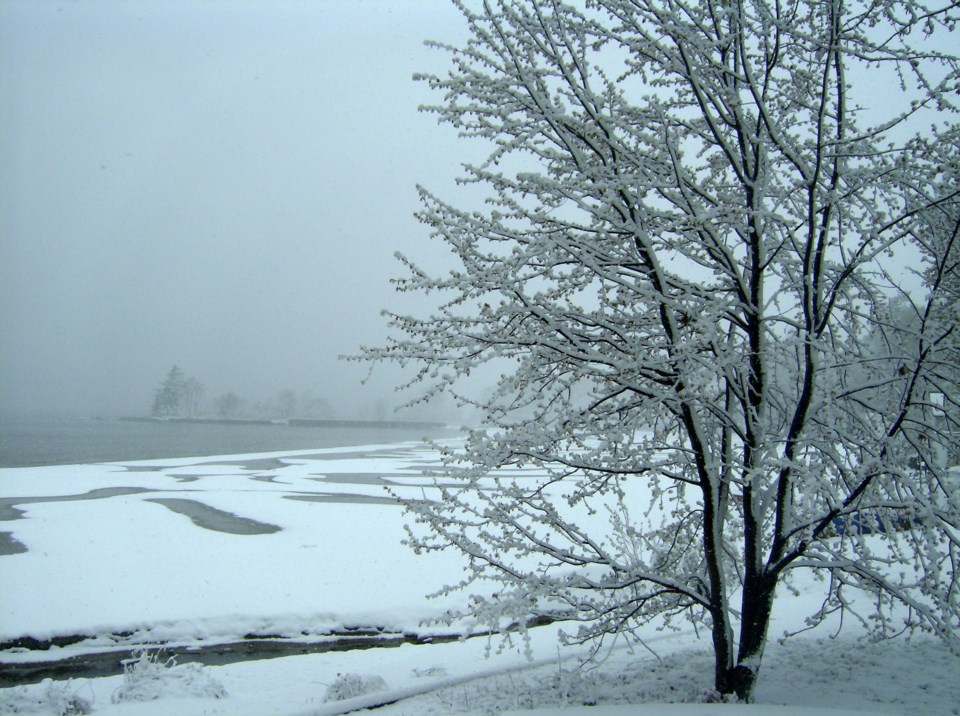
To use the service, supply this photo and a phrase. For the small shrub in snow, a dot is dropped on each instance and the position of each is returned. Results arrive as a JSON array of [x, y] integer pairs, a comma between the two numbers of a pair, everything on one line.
[[347, 686], [147, 677], [57, 697], [65, 700]]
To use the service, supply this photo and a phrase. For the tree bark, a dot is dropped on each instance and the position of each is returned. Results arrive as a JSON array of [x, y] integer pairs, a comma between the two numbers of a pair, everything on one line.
[[739, 678]]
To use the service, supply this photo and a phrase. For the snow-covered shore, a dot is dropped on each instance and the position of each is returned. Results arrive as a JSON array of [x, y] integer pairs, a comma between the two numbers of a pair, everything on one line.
[[106, 554], [801, 678]]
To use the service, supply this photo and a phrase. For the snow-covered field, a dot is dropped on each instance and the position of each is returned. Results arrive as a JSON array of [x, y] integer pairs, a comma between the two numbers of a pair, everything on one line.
[[305, 545]]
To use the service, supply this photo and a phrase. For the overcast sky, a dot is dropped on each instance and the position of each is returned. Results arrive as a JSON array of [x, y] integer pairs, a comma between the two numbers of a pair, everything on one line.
[[220, 185]]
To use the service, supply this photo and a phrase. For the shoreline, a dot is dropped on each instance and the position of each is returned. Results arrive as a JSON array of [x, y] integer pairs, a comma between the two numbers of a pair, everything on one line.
[[65, 441], [298, 422], [253, 647]]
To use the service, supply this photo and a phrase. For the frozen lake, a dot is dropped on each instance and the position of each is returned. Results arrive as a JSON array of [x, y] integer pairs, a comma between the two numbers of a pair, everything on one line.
[[306, 547], [179, 543]]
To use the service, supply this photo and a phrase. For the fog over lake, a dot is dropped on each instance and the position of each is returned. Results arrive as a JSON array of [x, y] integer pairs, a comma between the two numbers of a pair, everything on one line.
[[216, 185]]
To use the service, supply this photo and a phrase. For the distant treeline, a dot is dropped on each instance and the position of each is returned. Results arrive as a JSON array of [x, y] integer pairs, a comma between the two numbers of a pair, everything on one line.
[[183, 397]]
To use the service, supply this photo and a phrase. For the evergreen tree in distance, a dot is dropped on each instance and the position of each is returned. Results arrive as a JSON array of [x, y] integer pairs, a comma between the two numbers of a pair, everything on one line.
[[178, 396]]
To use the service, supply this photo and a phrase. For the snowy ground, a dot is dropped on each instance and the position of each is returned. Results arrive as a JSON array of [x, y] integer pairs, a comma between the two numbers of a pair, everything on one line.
[[191, 552]]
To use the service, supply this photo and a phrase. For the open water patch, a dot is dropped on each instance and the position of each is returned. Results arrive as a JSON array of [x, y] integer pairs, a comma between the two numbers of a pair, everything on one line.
[[10, 544], [262, 464], [344, 498], [9, 512], [268, 478], [393, 453], [356, 478], [210, 518]]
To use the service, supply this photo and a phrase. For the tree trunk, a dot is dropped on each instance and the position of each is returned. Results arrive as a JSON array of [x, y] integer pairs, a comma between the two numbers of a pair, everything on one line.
[[739, 678], [722, 651]]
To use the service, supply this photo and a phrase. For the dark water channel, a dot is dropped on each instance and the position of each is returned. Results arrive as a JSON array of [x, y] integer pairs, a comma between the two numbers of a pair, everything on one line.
[[89, 666], [253, 648]]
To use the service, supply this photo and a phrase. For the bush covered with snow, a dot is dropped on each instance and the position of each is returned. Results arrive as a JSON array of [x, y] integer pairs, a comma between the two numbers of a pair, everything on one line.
[[56, 697], [148, 676], [348, 686]]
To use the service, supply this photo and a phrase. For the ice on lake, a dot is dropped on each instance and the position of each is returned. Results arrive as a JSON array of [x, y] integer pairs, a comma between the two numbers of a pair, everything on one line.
[[216, 547]]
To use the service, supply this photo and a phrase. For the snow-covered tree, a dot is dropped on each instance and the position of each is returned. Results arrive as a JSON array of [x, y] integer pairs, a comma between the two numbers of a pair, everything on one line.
[[697, 214], [939, 237]]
